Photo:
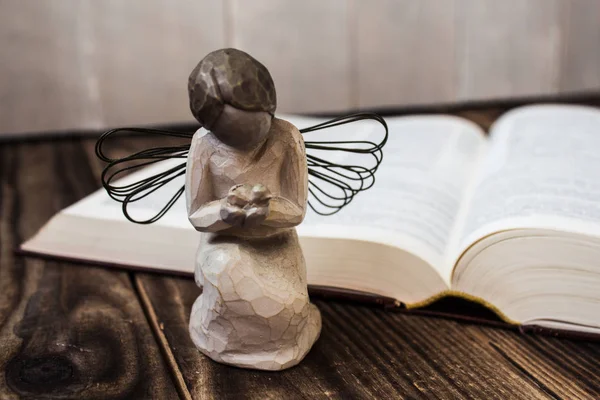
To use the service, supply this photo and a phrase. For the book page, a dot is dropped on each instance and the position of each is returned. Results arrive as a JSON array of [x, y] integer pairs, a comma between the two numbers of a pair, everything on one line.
[[428, 163], [99, 205], [542, 171]]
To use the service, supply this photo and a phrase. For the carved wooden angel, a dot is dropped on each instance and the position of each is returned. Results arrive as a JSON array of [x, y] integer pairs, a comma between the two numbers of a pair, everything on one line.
[[247, 182], [246, 189]]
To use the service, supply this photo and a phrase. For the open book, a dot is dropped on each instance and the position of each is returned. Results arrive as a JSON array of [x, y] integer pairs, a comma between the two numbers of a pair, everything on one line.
[[511, 220]]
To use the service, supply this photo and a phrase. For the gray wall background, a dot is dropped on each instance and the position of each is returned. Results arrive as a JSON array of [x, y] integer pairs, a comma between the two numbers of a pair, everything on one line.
[[97, 63]]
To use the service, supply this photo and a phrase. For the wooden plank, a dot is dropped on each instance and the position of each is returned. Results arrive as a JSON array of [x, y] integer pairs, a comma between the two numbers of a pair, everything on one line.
[[65, 330], [562, 368], [305, 46], [405, 52], [580, 61], [45, 80], [370, 353], [362, 353], [144, 51], [507, 48]]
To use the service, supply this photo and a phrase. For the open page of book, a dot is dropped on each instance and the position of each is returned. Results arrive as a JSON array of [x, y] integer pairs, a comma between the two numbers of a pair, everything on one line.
[[530, 244], [419, 189], [541, 172], [95, 230]]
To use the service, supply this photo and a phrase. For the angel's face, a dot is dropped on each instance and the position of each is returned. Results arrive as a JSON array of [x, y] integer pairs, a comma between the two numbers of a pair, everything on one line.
[[242, 129]]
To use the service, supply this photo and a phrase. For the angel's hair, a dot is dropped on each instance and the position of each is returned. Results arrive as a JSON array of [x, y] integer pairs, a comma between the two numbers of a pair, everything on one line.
[[229, 76], [332, 185]]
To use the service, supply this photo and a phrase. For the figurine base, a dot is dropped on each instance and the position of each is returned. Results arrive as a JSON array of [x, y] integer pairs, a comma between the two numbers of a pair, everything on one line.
[[277, 359], [254, 310]]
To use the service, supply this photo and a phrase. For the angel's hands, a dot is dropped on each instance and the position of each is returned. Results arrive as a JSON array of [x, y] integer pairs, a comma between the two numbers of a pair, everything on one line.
[[258, 208], [246, 205], [232, 207], [239, 195], [260, 196], [232, 214]]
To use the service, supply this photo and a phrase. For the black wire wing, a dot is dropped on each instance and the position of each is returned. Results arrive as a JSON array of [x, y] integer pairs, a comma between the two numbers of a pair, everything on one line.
[[332, 184], [127, 193]]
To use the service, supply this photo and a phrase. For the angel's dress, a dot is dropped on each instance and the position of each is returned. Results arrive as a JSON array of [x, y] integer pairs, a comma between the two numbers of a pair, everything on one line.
[[254, 310]]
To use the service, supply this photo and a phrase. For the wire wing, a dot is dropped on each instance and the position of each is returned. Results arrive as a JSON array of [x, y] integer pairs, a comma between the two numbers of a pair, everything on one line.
[[334, 184], [130, 193]]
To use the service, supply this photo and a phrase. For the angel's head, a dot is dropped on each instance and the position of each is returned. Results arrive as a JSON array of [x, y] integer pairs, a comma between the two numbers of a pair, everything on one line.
[[233, 96]]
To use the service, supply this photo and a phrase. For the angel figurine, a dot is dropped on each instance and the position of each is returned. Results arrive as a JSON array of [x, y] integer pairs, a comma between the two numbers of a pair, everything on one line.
[[246, 188]]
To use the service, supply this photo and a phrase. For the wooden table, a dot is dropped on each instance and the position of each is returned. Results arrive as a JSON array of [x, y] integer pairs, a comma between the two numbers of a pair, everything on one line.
[[69, 331]]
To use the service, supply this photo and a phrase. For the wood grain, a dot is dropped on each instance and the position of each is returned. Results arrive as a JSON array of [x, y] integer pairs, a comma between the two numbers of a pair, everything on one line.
[[65, 331], [507, 48], [370, 353], [551, 363], [580, 60], [69, 331], [405, 52], [305, 46]]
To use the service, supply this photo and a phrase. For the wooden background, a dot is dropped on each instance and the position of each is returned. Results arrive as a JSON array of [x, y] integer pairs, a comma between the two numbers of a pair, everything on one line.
[[90, 64], [69, 331]]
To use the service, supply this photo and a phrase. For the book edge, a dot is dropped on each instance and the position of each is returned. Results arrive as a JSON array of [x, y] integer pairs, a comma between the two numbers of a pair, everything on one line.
[[369, 299]]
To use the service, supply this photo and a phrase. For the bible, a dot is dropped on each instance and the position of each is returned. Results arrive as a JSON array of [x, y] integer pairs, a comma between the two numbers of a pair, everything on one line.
[[509, 219]]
